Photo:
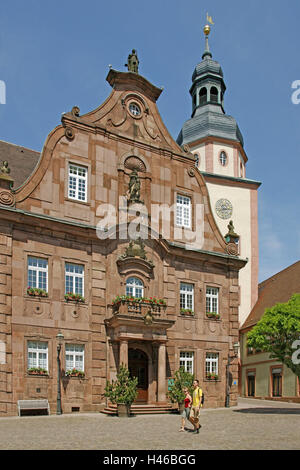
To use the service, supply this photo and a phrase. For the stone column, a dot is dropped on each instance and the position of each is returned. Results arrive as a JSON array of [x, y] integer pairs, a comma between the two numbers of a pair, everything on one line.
[[123, 352], [161, 373]]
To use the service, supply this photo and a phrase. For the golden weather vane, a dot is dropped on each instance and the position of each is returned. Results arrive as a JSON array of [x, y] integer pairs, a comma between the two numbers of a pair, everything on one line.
[[209, 19], [207, 27]]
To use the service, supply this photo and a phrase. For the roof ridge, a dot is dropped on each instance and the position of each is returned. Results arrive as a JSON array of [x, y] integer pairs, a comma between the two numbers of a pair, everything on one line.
[[20, 146], [271, 278]]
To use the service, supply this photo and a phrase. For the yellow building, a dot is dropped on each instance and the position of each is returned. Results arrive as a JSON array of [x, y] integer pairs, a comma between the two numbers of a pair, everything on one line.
[[262, 377]]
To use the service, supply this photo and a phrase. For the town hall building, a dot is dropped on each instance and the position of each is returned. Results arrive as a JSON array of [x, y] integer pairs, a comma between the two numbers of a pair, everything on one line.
[[120, 245]]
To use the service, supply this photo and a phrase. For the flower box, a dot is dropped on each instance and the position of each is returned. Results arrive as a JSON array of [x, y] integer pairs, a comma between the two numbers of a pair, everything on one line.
[[142, 300], [70, 296], [37, 371], [36, 292], [213, 315], [187, 311], [211, 376], [75, 373]]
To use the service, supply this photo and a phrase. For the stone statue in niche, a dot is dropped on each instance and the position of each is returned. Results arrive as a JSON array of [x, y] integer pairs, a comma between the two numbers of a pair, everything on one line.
[[134, 188]]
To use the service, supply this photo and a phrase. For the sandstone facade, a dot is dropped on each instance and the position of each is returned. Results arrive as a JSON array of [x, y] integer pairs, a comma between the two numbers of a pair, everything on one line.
[[40, 220]]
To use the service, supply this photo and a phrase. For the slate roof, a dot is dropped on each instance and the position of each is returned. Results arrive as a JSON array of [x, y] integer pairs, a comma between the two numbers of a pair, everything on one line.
[[21, 161], [209, 120], [207, 66], [278, 288]]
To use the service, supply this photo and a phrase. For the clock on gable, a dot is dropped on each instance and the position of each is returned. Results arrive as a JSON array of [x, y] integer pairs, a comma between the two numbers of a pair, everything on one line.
[[223, 208]]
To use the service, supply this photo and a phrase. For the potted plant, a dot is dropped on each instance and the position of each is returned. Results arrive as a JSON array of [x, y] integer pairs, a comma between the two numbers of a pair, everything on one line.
[[147, 300], [187, 311], [36, 292], [75, 297], [181, 380], [212, 376], [213, 315], [75, 373], [122, 391], [37, 371]]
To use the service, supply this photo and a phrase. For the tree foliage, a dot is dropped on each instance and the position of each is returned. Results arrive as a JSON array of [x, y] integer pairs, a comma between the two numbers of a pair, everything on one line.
[[278, 332], [182, 379], [124, 389]]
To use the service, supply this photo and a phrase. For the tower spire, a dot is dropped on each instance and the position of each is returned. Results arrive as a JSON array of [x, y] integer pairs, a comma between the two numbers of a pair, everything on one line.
[[206, 31]]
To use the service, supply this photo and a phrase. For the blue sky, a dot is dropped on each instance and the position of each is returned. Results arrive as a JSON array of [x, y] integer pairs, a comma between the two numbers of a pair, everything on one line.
[[55, 54]]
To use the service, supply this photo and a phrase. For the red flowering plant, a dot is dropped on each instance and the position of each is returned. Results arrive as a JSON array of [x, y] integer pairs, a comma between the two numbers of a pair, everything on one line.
[[187, 311], [36, 292], [213, 315], [212, 376], [146, 300], [73, 296], [75, 373], [37, 371]]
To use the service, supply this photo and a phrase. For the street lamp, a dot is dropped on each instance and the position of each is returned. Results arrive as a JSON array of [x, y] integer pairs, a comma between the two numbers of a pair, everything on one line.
[[60, 338], [236, 347]]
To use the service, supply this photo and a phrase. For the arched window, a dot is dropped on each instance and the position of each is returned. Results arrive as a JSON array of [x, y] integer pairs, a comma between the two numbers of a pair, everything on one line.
[[223, 158], [203, 96], [134, 287], [214, 94]]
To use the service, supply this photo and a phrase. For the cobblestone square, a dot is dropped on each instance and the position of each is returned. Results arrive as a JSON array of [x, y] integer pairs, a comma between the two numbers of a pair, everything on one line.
[[252, 425]]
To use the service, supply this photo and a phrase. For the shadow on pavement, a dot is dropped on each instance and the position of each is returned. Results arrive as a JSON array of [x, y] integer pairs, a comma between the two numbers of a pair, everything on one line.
[[262, 410]]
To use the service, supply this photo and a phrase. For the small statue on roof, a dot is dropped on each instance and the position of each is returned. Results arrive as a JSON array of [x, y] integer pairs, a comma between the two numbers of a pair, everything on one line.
[[133, 62], [4, 168]]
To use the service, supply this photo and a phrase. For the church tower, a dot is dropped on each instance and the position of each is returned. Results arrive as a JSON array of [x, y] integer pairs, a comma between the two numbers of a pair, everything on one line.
[[217, 143]]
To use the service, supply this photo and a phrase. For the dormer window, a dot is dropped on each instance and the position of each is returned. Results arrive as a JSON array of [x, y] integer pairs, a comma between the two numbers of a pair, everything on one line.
[[214, 94], [203, 96]]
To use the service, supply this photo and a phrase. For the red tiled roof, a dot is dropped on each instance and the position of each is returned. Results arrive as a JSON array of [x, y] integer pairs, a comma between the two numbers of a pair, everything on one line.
[[21, 161], [278, 288]]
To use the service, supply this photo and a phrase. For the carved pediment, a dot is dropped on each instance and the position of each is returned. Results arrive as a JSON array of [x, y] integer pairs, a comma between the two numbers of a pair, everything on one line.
[[134, 259]]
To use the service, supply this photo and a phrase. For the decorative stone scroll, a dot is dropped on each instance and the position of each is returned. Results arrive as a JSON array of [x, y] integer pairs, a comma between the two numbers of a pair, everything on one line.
[[7, 198], [191, 171], [69, 133]]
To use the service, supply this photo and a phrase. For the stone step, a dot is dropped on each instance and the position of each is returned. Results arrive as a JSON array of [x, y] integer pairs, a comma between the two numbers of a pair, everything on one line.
[[141, 409]]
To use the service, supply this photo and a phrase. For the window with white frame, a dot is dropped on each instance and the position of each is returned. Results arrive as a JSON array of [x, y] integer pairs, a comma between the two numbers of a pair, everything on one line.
[[186, 296], [212, 300], [183, 211], [223, 158], [134, 287], [212, 363], [187, 361], [77, 184], [37, 273], [74, 357], [37, 354], [74, 278]]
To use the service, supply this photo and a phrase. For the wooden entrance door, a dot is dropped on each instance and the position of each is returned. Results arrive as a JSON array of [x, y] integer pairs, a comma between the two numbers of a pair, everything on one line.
[[138, 367]]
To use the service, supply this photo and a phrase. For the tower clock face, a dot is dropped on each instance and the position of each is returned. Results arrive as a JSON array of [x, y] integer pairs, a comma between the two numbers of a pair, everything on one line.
[[224, 208]]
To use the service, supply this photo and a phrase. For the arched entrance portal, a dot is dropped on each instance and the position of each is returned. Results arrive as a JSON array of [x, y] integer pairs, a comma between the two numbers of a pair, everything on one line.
[[138, 367]]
